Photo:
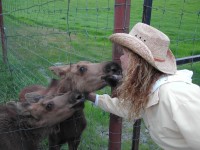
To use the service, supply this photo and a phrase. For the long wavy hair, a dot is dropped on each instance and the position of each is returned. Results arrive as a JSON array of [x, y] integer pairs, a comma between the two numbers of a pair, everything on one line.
[[137, 84]]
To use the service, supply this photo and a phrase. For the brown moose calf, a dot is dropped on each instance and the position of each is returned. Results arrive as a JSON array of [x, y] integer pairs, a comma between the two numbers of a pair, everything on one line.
[[24, 124], [83, 76]]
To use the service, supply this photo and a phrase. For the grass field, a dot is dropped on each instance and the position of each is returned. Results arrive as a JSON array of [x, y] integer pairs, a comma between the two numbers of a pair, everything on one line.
[[42, 33]]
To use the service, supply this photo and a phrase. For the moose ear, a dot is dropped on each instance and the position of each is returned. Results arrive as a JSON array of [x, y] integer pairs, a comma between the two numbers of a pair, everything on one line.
[[18, 107], [60, 70], [33, 97], [12, 105]]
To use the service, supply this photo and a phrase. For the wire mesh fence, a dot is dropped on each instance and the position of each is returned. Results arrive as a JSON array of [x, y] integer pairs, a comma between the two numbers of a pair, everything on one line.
[[43, 33]]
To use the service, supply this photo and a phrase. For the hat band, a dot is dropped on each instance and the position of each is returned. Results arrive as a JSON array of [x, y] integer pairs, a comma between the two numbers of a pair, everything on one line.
[[159, 60]]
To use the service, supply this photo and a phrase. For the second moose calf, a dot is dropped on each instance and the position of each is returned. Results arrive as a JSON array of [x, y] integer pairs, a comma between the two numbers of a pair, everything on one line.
[[24, 124]]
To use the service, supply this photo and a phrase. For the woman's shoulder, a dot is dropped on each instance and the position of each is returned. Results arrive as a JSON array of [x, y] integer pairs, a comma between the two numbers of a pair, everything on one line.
[[179, 92]]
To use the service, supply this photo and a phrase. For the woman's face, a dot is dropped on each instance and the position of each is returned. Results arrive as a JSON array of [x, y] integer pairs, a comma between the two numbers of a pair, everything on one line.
[[124, 60]]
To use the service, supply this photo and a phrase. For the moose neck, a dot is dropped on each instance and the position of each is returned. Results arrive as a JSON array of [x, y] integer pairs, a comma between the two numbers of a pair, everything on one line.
[[11, 122]]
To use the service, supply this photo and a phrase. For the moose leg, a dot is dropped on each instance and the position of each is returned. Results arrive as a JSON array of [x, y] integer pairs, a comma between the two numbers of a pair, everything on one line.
[[70, 131], [55, 147], [54, 142], [73, 144]]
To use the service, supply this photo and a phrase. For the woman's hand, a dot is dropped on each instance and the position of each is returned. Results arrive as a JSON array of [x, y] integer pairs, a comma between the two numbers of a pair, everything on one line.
[[90, 96]]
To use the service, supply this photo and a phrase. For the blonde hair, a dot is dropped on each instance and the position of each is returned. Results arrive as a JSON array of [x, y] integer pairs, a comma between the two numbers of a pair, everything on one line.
[[137, 84]]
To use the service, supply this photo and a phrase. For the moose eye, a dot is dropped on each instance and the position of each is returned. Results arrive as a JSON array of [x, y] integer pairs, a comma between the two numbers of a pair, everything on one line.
[[82, 69], [49, 106]]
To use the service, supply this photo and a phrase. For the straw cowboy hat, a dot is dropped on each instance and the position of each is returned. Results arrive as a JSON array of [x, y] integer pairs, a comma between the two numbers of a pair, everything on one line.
[[151, 44]]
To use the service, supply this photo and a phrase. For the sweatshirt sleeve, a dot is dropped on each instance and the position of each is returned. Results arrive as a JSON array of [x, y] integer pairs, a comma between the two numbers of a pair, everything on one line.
[[112, 105]]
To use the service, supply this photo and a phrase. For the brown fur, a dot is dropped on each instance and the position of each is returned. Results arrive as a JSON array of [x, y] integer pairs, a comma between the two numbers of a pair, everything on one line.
[[23, 124], [83, 76]]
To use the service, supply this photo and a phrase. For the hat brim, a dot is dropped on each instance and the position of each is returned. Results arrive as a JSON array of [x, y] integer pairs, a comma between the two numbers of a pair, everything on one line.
[[137, 46]]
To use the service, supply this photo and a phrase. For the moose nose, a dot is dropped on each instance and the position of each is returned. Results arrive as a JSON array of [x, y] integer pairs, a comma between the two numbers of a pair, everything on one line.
[[113, 68], [80, 97]]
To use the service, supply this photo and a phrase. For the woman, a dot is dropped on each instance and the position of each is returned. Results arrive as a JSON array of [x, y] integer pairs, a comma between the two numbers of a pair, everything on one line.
[[154, 90]]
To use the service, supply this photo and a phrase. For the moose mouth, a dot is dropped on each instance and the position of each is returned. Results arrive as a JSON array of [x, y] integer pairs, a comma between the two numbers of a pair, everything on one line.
[[79, 104], [112, 80], [103, 84]]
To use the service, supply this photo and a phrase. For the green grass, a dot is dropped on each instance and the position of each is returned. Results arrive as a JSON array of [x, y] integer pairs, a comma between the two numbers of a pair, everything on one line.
[[178, 19], [7, 87], [41, 33]]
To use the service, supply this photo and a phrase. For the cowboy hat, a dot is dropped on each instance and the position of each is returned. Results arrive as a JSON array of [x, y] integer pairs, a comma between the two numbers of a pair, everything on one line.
[[151, 44]]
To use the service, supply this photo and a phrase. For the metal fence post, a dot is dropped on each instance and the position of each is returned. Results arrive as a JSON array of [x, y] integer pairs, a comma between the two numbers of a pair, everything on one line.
[[147, 9], [3, 37], [146, 18], [121, 25]]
